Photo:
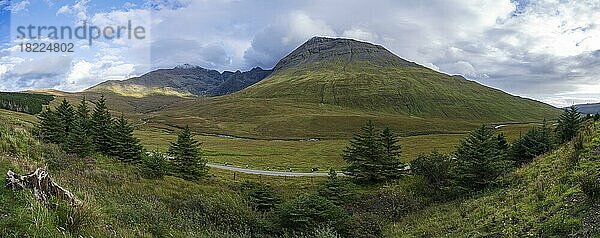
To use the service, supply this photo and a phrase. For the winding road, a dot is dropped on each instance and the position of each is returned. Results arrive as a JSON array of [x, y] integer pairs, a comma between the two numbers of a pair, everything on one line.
[[269, 173]]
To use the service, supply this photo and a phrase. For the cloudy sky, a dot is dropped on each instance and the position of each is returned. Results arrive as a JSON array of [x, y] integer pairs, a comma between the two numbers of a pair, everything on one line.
[[548, 49]]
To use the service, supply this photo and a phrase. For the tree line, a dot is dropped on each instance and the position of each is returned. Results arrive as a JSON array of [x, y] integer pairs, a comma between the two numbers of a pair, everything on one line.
[[24, 102], [84, 132]]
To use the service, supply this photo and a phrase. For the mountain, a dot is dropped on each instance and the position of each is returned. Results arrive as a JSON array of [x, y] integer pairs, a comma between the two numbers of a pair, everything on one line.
[[329, 87], [184, 80], [591, 108], [367, 77]]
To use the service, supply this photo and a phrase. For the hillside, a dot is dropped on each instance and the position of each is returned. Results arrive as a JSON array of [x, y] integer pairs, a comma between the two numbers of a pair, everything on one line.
[[548, 198], [363, 76], [185, 80], [329, 87]]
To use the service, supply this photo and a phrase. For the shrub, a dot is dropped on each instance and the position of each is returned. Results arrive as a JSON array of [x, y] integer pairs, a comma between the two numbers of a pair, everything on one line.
[[154, 165], [261, 197], [536, 141], [338, 190], [389, 203], [307, 212], [434, 167]]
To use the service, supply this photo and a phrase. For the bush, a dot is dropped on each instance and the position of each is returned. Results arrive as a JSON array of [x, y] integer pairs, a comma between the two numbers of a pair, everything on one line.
[[536, 141], [307, 212], [434, 167], [154, 165], [338, 190], [389, 203], [261, 197]]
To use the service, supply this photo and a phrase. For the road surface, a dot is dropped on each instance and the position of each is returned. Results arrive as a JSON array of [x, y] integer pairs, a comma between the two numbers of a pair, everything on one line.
[[269, 173]]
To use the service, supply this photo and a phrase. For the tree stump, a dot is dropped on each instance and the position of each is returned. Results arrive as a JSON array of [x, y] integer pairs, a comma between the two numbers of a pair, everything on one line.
[[42, 186]]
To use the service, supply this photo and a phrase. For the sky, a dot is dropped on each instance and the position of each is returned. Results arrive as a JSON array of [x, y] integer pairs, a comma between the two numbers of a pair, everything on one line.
[[547, 50]]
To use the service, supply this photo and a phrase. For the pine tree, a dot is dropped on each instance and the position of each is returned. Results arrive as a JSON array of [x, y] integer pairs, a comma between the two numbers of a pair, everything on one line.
[[502, 143], [569, 124], [48, 128], [535, 142], [391, 154], [66, 117], [187, 161], [364, 155], [101, 121], [79, 140], [479, 160], [125, 145]]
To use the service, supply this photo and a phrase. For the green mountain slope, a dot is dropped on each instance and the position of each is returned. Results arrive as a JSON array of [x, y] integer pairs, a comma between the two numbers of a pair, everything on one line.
[[414, 91], [367, 77]]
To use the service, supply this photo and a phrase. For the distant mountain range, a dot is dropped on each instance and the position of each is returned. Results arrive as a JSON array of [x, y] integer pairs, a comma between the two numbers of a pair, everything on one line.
[[591, 108], [184, 80]]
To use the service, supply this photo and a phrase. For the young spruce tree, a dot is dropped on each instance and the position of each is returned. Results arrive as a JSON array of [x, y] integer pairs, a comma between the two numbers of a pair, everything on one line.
[[125, 145], [371, 156], [48, 128], [479, 160], [569, 124], [66, 117], [391, 154], [187, 161], [79, 141], [101, 121]]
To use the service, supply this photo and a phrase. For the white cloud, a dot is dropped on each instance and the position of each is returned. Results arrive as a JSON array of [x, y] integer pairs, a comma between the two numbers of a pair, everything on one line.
[[17, 7], [79, 10]]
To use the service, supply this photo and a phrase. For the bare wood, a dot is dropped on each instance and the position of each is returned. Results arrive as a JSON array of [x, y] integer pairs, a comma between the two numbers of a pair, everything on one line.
[[42, 186]]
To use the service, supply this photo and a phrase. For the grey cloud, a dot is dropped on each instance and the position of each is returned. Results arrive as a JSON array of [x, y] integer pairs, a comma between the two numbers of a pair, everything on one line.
[[169, 52]]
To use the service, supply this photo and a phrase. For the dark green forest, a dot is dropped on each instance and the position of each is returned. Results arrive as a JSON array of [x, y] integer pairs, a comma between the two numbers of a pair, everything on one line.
[[24, 102]]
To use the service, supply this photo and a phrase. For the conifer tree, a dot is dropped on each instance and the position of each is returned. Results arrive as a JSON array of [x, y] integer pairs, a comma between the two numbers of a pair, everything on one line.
[[535, 142], [364, 155], [125, 145], [101, 121], [66, 116], [79, 140], [391, 154], [479, 160], [187, 161], [48, 128], [337, 190], [569, 124]]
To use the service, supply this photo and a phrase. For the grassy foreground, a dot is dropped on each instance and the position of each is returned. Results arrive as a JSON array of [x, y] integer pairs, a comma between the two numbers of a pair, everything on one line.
[[546, 198]]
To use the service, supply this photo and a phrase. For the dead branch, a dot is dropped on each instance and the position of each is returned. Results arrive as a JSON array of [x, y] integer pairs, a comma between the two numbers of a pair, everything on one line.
[[42, 186]]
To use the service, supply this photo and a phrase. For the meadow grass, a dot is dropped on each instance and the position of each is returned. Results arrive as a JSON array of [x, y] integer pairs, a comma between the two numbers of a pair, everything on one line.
[[303, 155]]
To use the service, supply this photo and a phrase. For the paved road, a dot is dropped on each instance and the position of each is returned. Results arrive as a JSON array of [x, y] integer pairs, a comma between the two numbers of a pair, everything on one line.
[[269, 173]]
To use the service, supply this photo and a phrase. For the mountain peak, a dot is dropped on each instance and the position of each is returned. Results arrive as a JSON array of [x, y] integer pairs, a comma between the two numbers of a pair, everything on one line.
[[187, 66], [323, 49]]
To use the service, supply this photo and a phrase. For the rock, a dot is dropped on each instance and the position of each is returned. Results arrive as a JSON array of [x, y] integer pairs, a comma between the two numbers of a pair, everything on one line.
[[323, 49], [42, 186]]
